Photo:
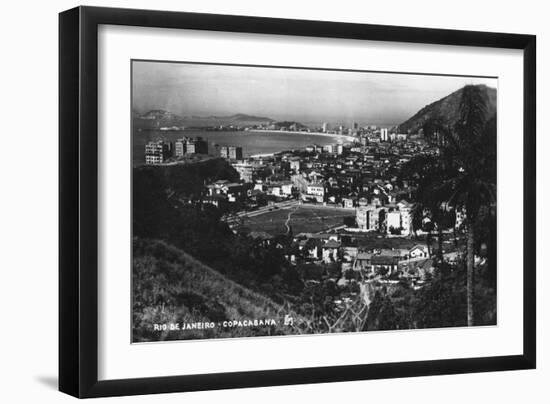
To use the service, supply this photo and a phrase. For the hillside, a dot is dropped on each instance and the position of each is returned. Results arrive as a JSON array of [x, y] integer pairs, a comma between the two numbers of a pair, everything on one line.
[[170, 286], [447, 109], [156, 119]]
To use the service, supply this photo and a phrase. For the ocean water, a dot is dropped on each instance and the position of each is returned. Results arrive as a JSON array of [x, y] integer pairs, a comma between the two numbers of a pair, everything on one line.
[[252, 142]]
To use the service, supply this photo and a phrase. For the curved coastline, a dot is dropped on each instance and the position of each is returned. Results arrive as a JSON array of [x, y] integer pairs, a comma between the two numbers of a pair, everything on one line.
[[333, 135]]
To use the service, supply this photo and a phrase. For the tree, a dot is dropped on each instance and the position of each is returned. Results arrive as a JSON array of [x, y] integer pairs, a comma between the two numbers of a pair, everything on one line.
[[462, 175], [473, 146]]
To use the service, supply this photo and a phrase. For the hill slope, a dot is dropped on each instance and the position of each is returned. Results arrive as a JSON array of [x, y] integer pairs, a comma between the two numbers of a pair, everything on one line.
[[446, 108], [170, 286]]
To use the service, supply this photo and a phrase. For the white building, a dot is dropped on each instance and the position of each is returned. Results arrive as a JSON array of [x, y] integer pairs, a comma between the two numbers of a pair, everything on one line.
[[316, 190], [405, 208], [393, 221], [384, 134], [156, 152], [295, 165], [368, 217], [401, 136]]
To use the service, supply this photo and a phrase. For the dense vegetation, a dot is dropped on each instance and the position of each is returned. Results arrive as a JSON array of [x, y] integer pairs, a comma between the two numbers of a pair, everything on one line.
[[461, 179], [170, 286], [159, 213]]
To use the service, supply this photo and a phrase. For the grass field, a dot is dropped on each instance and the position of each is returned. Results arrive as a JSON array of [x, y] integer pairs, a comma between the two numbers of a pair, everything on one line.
[[302, 218]]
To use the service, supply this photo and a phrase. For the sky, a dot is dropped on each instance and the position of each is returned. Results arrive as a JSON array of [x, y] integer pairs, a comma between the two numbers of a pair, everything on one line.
[[302, 95]]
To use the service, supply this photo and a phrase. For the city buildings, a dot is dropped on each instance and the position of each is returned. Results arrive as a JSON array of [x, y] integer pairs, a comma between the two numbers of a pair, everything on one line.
[[196, 146], [187, 146], [235, 153], [247, 170], [157, 152], [361, 176], [231, 152], [309, 186]]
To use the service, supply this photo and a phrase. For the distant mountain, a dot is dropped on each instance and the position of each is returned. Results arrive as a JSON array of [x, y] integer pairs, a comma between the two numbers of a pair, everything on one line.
[[447, 109], [157, 118], [235, 120]]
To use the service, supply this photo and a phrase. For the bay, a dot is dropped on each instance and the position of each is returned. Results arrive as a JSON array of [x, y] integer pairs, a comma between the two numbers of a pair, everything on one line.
[[253, 143]]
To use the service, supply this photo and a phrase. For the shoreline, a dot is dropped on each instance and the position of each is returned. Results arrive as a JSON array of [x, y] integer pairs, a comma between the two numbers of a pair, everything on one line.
[[348, 138]]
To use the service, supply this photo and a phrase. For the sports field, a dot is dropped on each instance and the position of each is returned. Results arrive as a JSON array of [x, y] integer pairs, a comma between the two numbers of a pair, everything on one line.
[[302, 219]]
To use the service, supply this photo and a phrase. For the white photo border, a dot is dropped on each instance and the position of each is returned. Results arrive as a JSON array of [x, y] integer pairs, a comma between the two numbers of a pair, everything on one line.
[[118, 359]]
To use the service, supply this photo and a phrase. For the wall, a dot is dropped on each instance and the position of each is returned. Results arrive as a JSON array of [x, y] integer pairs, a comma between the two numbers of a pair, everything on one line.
[[28, 94]]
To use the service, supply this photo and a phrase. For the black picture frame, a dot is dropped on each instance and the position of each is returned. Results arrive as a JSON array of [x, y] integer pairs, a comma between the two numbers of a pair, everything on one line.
[[78, 201]]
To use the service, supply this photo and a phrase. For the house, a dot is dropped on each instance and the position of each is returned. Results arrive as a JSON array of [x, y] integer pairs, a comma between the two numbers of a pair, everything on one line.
[[309, 249], [295, 164], [362, 261], [419, 251], [349, 253], [348, 203], [286, 188], [233, 190], [218, 200], [383, 263], [330, 251]]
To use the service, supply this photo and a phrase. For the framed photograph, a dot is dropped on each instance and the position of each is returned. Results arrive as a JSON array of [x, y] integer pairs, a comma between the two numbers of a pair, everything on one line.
[[252, 201]]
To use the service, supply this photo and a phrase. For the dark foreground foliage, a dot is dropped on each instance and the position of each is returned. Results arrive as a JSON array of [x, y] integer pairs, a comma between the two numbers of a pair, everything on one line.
[[171, 287]]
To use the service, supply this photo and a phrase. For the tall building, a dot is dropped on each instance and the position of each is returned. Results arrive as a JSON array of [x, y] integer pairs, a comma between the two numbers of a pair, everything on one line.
[[201, 146], [157, 152], [235, 152], [339, 148], [190, 147], [325, 127], [224, 152], [370, 218], [394, 221], [384, 134], [180, 147], [196, 146]]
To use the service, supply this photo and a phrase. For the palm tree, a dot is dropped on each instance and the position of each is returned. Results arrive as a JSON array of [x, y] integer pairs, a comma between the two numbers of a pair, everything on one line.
[[473, 146], [463, 174]]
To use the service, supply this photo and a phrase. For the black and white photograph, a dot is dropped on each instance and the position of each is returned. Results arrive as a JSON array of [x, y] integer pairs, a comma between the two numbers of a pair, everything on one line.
[[277, 201]]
